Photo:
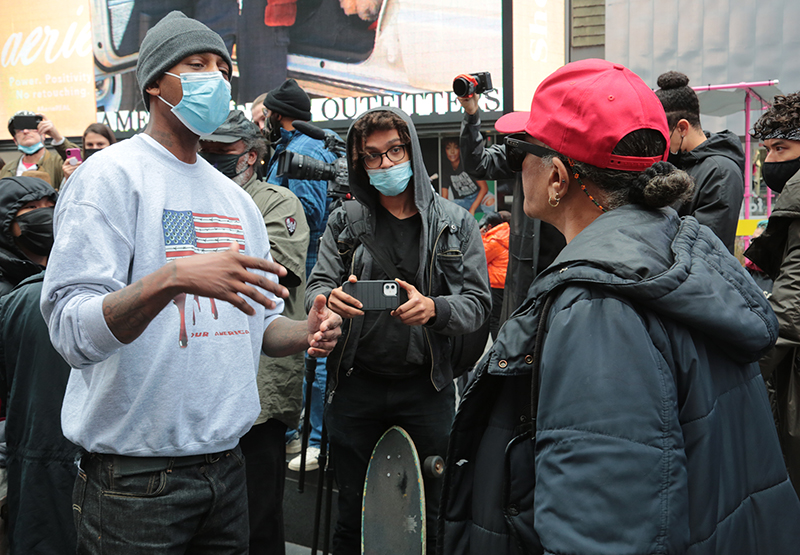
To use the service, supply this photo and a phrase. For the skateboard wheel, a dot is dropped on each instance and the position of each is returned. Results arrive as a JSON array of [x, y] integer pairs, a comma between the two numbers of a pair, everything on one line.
[[433, 467]]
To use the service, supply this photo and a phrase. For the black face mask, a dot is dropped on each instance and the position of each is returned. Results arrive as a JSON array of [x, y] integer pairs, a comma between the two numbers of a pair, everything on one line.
[[36, 229], [776, 174], [272, 130], [89, 151], [224, 163]]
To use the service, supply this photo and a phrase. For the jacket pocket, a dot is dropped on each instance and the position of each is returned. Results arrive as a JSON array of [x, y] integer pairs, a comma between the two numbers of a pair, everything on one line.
[[450, 265]]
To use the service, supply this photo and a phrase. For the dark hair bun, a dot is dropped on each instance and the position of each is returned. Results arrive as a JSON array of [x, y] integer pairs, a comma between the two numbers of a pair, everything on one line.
[[672, 80], [662, 184]]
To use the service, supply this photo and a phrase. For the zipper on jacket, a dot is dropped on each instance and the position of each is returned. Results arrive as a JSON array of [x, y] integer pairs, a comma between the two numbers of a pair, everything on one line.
[[430, 288], [346, 339]]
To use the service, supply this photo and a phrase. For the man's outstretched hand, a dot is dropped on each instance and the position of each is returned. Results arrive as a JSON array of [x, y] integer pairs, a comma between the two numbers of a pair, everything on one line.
[[324, 328]]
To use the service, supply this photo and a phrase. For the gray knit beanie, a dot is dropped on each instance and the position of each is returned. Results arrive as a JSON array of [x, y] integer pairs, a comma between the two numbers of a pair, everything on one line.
[[171, 40], [289, 100]]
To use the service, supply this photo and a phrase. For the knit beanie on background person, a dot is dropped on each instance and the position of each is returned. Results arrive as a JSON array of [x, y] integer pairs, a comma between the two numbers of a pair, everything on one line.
[[289, 100], [171, 40]]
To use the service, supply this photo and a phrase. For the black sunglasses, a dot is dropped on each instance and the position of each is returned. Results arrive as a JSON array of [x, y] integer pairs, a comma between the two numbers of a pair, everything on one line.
[[517, 148]]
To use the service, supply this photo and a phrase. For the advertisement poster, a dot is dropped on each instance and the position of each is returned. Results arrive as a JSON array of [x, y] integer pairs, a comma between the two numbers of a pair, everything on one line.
[[349, 55], [475, 195], [47, 65], [539, 46]]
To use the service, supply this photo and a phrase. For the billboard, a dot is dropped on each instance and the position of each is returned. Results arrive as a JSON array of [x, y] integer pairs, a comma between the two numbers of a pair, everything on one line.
[[47, 63], [349, 55]]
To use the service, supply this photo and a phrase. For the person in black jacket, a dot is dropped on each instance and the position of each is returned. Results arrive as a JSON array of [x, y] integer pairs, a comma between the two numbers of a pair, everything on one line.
[[394, 368], [533, 244], [41, 461], [621, 409], [714, 160]]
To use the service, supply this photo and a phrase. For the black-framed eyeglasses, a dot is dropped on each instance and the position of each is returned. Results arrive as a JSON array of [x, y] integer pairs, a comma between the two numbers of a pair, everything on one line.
[[373, 160], [517, 148]]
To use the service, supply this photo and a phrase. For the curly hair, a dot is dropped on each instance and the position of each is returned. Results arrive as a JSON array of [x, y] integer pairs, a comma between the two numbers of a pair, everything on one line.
[[782, 119], [379, 120], [678, 98]]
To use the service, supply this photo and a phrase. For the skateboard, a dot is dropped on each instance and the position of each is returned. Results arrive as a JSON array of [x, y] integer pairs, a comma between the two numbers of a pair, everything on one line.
[[393, 506]]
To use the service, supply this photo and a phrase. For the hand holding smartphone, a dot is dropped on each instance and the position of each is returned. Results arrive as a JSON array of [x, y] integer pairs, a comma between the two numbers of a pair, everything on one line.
[[376, 294], [76, 154]]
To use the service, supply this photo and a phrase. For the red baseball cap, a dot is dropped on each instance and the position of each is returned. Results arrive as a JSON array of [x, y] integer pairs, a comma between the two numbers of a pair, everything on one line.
[[584, 108]]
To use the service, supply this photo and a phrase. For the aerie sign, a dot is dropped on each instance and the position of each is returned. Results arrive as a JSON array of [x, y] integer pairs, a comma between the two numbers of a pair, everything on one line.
[[19, 49]]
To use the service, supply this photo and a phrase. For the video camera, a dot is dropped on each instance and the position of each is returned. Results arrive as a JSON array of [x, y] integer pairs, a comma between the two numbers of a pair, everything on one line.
[[467, 84], [299, 166]]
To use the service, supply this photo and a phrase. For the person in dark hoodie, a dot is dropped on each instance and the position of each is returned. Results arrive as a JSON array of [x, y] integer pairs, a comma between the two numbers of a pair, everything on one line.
[[777, 252], [26, 233], [33, 377], [394, 368], [714, 160], [621, 409]]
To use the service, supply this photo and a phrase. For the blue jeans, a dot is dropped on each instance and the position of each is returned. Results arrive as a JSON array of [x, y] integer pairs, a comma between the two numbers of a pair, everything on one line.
[[133, 506], [317, 405], [362, 409]]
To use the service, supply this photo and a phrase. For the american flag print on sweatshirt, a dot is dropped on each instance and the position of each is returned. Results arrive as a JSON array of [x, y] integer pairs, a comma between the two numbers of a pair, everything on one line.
[[187, 233]]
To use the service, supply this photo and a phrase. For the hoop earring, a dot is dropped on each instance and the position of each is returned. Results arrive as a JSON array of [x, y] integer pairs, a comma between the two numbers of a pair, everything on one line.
[[551, 199]]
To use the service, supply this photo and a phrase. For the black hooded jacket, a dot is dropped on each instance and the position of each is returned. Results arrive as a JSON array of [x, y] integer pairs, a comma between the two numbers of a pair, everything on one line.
[[452, 269], [15, 192], [717, 166]]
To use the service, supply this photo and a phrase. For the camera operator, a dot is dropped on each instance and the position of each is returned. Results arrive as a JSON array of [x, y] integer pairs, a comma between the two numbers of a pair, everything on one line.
[[282, 106], [533, 244]]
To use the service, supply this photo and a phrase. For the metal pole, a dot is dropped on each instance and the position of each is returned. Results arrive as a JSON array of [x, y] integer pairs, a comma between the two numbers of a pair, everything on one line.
[[748, 170]]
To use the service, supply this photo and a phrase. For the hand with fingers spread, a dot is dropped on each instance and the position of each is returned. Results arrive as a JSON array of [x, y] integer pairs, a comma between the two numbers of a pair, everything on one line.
[[324, 328], [226, 276], [418, 310], [343, 304], [222, 275]]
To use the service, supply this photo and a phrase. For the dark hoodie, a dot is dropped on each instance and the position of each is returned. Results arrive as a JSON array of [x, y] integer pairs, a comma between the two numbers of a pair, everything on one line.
[[717, 166], [452, 269], [653, 430], [15, 192]]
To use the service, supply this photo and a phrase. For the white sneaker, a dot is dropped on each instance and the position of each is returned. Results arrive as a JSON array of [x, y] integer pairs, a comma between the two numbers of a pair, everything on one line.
[[312, 460], [294, 446]]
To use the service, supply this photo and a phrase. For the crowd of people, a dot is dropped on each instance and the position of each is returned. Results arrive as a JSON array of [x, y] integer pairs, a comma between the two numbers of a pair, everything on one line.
[[164, 297]]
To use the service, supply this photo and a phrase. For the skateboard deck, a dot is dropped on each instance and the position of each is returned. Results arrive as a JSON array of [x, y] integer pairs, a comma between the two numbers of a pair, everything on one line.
[[393, 507]]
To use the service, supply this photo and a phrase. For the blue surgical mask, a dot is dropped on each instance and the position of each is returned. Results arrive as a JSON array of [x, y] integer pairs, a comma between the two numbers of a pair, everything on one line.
[[391, 181], [206, 101], [31, 149]]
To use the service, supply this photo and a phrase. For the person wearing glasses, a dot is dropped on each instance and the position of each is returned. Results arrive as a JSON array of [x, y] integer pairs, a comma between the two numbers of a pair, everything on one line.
[[394, 367], [621, 409]]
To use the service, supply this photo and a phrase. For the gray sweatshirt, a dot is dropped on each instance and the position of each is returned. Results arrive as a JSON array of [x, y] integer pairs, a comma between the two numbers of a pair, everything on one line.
[[187, 385]]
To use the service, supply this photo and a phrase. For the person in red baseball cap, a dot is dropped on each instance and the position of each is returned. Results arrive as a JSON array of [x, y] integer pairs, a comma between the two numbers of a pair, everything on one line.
[[621, 408]]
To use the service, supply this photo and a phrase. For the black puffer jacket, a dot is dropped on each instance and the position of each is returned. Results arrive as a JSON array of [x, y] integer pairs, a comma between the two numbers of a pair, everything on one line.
[[452, 269], [717, 166], [653, 429], [15, 192]]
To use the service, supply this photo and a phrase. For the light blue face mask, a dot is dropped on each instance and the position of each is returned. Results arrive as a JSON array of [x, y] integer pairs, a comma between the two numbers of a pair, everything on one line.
[[206, 101], [31, 149], [391, 181]]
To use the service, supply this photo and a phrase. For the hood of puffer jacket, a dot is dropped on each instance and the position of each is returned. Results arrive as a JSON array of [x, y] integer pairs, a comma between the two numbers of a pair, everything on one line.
[[674, 267], [725, 143], [360, 186], [15, 192]]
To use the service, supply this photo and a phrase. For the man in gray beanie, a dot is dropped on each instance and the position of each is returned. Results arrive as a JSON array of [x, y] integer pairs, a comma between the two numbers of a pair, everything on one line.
[[282, 106], [158, 398]]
